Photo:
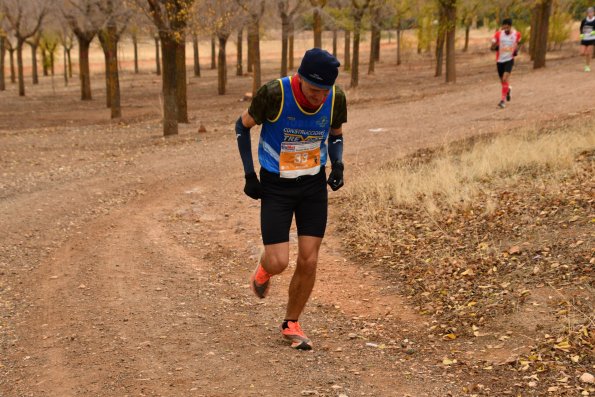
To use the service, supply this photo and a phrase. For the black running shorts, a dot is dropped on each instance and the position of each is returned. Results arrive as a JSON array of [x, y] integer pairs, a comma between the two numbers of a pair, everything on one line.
[[306, 197], [587, 43], [505, 67]]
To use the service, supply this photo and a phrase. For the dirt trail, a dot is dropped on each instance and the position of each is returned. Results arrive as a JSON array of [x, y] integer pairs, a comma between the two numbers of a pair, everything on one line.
[[128, 277]]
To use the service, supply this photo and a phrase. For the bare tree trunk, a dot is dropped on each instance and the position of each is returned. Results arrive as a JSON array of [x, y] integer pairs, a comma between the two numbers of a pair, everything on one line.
[[196, 56], [65, 62], [44, 62], [451, 17], [467, 31], [157, 60], [255, 44], [373, 33], [21, 76], [108, 87], [69, 63], [13, 74], [182, 101], [284, 43], [52, 54], [542, 34], [34, 72], [535, 20], [347, 51], [317, 28], [2, 57], [355, 62], [84, 71], [135, 45], [335, 42], [399, 61], [374, 37], [113, 73], [222, 65], [440, 40], [250, 51], [290, 45], [240, 55], [170, 107], [377, 45], [109, 44], [213, 52]]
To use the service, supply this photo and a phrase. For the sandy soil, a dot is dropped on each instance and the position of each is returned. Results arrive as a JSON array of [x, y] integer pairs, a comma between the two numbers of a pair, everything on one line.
[[124, 256]]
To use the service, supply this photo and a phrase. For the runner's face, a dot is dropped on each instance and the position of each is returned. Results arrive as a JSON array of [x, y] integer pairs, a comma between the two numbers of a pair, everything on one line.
[[313, 94], [590, 13], [506, 28]]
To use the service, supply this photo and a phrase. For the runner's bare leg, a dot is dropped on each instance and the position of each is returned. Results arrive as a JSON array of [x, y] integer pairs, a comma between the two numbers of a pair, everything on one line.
[[275, 258], [304, 276], [505, 77]]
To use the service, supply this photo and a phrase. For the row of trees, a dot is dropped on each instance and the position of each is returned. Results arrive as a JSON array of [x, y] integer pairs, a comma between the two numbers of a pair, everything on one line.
[[43, 24]]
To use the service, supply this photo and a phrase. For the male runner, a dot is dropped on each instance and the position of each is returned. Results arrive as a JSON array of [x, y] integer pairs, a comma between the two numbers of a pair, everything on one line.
[[506, 44], [299, 114], [588, 37]]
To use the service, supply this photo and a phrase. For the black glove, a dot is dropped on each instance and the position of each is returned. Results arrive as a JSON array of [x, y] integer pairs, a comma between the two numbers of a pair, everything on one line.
[[252, 187], [335, 179]]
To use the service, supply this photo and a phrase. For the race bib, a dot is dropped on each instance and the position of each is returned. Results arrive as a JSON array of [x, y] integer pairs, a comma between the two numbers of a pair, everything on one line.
[[506, 48], [299, 158]]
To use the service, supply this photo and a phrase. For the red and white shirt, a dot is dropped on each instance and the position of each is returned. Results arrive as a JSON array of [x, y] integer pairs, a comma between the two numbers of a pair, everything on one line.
[[507, 44]]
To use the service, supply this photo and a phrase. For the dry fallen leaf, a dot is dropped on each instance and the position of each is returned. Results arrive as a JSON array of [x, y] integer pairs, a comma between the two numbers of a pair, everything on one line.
[[514, 250], [563, 345]]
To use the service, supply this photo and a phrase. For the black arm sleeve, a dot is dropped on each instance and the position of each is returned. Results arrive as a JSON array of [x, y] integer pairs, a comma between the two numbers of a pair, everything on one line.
[[335, 148], [245, 146]]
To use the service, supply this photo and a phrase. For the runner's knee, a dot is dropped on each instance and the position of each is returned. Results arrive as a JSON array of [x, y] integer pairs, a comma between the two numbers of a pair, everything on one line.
[[275, 264], [307, 263]]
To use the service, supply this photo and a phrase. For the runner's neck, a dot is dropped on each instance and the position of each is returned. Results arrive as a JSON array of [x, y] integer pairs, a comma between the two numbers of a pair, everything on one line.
[[299, 95]]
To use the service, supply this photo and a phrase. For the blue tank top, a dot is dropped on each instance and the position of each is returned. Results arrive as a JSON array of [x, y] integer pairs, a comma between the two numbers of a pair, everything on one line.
[[294, 143]]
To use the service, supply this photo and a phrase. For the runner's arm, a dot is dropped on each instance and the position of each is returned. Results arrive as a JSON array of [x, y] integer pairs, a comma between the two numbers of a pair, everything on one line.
[[518, 44], [580, 30], [339, 117], [335, 153], [243, 125], [252, 186], [335, 145], [265, 105], [494, 46]]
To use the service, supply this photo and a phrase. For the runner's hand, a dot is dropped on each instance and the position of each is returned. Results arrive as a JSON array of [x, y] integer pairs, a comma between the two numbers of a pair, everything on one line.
[[252, 188], [335, 179]]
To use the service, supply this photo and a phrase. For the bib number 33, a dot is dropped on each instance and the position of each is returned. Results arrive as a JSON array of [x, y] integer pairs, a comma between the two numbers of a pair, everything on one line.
[[299, 158]]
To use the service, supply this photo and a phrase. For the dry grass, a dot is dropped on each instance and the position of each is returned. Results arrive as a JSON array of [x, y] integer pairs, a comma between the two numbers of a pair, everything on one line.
[[475, 234], [451, 179]]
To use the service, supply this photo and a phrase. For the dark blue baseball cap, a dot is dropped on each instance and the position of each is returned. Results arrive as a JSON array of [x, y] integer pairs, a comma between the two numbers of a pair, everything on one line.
[[319, 68]]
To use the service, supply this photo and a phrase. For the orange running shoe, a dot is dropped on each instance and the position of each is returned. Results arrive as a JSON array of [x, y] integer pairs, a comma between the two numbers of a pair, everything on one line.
[[298, 338], [260, 282]]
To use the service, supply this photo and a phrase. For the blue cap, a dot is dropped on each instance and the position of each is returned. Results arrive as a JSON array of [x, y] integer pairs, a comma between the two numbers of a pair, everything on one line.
[[319, 68]]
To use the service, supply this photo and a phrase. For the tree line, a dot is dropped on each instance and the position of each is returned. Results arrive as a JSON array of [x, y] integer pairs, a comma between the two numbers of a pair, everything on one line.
[[45, 25]]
